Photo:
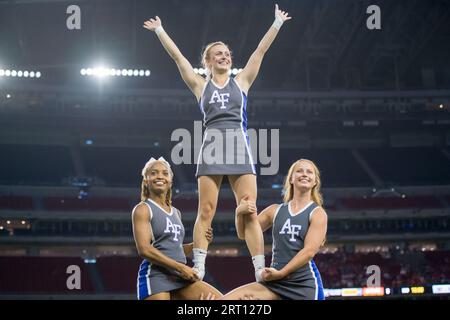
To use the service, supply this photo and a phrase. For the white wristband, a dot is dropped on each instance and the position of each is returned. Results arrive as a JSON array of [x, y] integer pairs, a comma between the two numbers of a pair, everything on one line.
[[277, 23], [159, 30]]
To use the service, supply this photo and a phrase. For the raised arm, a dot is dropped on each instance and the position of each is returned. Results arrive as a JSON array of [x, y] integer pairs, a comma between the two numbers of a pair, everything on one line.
[[246, 77], [194, 81], [313, 241], [143, 235]]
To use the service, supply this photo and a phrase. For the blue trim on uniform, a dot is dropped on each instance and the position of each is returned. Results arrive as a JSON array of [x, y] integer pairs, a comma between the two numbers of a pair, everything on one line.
[[144, 291], [320, 293], [244, 126], [200, 105], [244, 113], [244, 118]]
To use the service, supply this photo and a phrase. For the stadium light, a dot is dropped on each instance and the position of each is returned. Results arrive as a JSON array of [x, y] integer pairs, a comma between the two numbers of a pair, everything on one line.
[[102, 72], [90, 261], [203, 71], [19, 73], [200, 71], [234, 71]]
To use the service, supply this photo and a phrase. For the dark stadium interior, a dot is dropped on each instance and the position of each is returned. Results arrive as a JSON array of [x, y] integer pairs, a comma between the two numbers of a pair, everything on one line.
[[370, 107]]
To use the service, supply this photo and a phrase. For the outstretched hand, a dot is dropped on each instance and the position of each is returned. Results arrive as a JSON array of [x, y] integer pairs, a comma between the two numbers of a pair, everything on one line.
[[152, 23], [284, 16]]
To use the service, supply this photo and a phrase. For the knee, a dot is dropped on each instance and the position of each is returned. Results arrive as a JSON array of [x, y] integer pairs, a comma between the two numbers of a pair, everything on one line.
[[207, 211], [251, 218], [248, 197]]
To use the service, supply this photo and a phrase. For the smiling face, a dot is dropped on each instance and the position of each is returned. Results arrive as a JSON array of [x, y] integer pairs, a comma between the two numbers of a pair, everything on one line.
[[303, 176], [158, 178], [218, 58]]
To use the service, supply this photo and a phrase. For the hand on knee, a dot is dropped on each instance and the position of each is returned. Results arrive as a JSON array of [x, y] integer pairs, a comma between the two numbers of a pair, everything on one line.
[[207, 213]]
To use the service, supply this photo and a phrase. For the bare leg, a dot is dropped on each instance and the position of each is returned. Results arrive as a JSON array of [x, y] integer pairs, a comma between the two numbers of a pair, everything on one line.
[[195, 290], [208, 190], [251, 291], [245, 185], [159, 296]]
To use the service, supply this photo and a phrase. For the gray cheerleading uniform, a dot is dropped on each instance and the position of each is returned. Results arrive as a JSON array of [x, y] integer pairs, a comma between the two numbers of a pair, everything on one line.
[[168, 235], [226, 147], [289, 232]]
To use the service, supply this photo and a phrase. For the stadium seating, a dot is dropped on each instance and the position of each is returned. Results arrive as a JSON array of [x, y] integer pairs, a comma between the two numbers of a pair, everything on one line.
[[41, 275]]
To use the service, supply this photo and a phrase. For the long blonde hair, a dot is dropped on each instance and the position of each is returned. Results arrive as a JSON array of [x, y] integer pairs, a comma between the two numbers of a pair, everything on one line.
[[288, 189], [145, 189], [206, 57]]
